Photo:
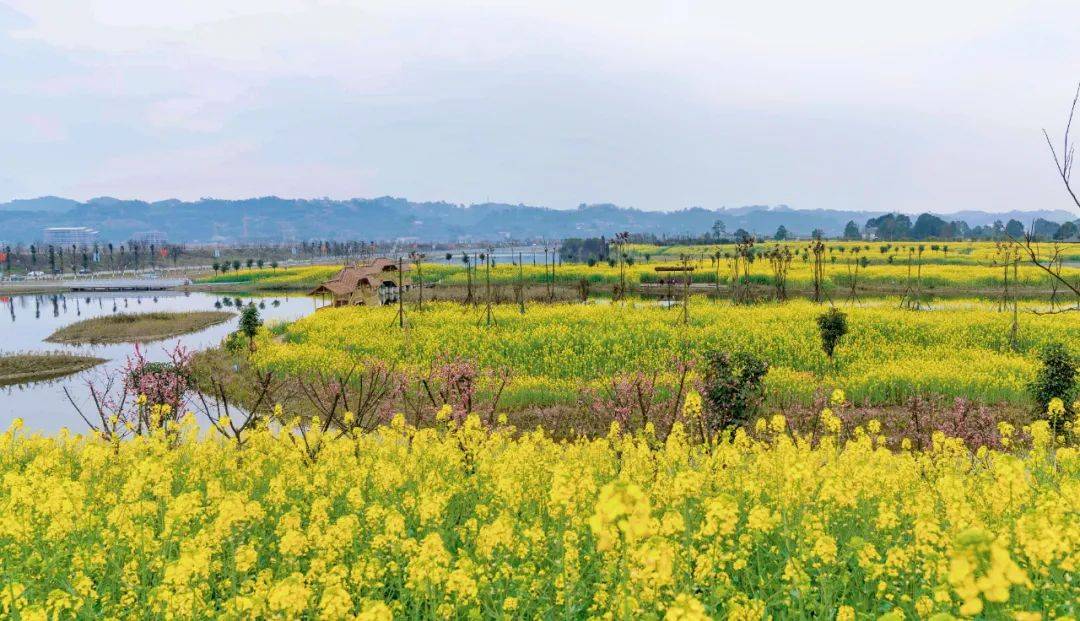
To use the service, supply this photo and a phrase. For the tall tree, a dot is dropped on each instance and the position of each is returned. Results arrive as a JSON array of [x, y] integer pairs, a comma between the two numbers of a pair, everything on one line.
[[1014, 229], [928, 226], [891, 226], [1042, 229], [718, 230], [1066, 231], [851, 230]]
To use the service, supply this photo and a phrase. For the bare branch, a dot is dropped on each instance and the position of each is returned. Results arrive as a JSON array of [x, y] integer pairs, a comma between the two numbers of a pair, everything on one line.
[[77, 409], [1058, 311], [1033, 255]]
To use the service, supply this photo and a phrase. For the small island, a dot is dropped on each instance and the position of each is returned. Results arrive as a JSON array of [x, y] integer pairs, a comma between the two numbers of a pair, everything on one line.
[[23, 368], [136, 327]]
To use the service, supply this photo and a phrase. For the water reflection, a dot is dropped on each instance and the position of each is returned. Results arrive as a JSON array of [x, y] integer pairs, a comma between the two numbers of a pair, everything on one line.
[[42, 404]]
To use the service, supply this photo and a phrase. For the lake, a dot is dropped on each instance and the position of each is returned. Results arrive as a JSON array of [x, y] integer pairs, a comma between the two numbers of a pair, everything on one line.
[[27, 320]]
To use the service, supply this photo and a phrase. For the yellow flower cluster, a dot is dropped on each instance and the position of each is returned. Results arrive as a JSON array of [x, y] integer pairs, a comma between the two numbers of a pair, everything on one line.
[[463, 522], [975, 578]]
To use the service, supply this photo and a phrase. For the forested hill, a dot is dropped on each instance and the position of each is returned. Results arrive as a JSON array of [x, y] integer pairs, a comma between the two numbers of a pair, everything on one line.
[[387, 218]]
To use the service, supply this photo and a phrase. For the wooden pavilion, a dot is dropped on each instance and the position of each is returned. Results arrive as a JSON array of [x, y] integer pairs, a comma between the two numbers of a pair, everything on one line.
[[370, 284]]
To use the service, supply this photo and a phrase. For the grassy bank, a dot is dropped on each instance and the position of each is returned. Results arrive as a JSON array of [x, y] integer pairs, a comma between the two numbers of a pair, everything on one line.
[[24, 368], [137, 327]]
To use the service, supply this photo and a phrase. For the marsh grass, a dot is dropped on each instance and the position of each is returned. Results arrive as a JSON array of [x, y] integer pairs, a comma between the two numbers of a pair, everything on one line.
[[137, 327], [23, 368]]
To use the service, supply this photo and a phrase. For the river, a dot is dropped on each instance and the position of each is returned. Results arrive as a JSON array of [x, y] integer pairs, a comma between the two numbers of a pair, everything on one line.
[[27, 320]]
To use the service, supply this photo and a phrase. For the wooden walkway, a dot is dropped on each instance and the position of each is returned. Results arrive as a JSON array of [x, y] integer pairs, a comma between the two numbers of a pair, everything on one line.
[[140, 284]]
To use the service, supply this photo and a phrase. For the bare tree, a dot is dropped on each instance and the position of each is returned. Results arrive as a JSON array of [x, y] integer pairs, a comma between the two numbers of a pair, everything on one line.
[[353, 403], [109, 427], [229, 418], [1064, 162], [780, 261]]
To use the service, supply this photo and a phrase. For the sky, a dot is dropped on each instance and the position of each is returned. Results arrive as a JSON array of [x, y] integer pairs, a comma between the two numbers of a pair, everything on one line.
[[909, 106]]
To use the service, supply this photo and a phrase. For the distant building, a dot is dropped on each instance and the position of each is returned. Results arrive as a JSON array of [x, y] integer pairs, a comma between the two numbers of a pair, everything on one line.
[[70, 236], [151, 238]]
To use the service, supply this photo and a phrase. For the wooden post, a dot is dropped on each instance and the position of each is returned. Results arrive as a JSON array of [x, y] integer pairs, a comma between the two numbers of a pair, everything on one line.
[[551, 288], [547, 285], [686, 292], [420, 276], [521, 285], [716, 281], [687, 271], [468, 279], [487, 288], [400, 297], [1014, 336]]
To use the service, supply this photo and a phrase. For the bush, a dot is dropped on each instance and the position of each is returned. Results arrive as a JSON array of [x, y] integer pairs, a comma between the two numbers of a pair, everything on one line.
[[833, 326], [1056, 378], [249, 323], [732, 389], [233, 343], [583, 289]]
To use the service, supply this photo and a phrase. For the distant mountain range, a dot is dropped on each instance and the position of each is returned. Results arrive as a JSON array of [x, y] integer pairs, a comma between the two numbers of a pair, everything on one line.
[[275, 219]]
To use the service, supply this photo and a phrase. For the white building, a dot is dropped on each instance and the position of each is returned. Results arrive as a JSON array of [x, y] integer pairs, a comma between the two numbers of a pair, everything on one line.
[[70, 235]]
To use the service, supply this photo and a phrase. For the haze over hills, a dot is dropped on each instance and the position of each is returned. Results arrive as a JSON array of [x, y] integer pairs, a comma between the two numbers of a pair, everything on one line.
[[387, 218]]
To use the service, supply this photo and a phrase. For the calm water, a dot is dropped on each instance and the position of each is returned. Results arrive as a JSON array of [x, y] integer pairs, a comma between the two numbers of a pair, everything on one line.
[[27, 320]]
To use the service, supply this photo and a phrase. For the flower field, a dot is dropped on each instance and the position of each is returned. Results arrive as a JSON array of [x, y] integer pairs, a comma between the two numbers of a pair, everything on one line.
[[965, 267], [957, 253], [390, 493], [282, 278], [460, 521], [960, 349], [884, 276]]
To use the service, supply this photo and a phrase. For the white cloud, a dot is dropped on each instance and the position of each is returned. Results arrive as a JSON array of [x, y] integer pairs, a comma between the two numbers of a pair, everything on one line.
[[45, 128]]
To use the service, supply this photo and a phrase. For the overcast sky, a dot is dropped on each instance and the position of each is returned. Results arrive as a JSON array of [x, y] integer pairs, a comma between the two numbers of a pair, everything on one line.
[[911, 106]]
